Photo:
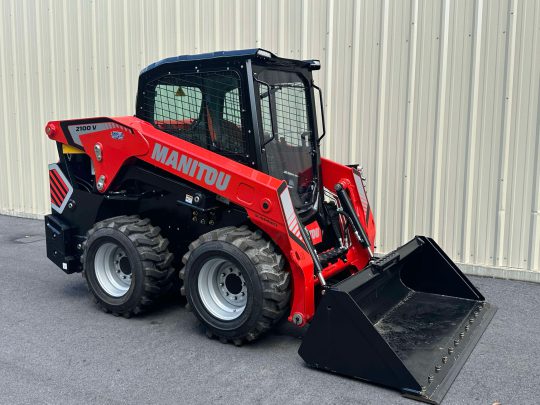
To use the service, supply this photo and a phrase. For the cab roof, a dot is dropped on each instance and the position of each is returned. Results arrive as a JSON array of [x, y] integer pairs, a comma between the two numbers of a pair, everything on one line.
[[261, 55]]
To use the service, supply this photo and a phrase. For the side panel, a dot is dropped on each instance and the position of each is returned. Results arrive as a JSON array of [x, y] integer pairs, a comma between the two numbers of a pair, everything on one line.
[[349, 178], [258, 193]]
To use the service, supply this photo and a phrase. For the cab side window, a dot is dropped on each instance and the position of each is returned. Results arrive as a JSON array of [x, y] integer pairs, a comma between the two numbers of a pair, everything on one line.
[[201, 108]]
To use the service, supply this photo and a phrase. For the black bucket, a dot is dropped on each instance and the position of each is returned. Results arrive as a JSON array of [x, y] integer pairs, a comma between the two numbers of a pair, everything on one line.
[[407, 321]]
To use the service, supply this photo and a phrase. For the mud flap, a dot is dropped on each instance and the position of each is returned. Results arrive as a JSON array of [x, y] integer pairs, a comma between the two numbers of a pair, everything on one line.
[[407, 321]]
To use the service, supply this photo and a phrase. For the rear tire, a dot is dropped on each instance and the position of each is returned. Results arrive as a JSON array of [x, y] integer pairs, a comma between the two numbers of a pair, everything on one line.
[[235, 283], [126, 264]]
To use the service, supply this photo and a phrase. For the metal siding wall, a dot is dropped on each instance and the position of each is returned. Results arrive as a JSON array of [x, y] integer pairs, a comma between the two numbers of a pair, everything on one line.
[[438, 100]]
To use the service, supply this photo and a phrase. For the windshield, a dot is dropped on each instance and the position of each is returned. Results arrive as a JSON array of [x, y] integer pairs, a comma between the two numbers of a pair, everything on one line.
[[288, 133]]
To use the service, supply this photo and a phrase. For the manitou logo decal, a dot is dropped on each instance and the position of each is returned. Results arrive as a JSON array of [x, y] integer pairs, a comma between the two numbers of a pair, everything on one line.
[[191, 167]]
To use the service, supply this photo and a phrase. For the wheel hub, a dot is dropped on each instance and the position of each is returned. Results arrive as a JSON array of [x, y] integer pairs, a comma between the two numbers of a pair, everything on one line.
[[233, 286], [124, 266], [233, 283], [222, 289], [113, 269]]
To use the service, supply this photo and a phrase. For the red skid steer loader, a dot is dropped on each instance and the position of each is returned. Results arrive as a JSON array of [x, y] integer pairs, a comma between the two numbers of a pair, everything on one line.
[[217, 186]]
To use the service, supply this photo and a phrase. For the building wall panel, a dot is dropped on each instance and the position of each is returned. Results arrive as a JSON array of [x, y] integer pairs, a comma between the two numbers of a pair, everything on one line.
[[437, 100]]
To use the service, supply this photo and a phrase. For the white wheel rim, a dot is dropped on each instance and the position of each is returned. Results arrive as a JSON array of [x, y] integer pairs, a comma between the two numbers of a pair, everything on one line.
[[222, 289], [112, 269]]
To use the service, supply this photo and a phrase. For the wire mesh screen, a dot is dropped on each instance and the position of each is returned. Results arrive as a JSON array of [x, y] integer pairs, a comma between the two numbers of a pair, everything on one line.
[[202, 108], [287, 129], [290, 115]]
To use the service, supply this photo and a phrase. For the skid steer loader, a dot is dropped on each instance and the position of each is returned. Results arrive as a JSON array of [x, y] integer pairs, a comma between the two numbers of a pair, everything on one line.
[[217, 186]]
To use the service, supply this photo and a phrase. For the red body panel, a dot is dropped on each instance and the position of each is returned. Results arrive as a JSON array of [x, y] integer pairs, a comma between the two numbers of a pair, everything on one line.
[[256, 192]]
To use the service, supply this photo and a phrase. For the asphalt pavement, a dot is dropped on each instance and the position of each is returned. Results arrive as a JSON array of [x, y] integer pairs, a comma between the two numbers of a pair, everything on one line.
[[57, 347]]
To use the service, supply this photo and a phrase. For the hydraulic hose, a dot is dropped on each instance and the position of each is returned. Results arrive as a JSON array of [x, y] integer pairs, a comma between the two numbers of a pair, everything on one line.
[[313, 253]]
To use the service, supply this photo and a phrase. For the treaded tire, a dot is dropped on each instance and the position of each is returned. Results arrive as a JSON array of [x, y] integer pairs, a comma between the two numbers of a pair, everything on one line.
[[261, 266], [149, 258]]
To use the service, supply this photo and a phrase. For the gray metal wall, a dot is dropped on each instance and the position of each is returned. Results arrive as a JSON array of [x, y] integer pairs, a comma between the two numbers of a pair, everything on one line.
[[438, 100]]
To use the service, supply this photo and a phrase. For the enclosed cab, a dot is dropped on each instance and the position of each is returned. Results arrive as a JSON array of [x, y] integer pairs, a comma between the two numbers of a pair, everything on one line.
[[250, 106]]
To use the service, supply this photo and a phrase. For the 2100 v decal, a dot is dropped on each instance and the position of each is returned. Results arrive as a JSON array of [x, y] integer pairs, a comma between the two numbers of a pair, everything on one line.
[[78, 130]]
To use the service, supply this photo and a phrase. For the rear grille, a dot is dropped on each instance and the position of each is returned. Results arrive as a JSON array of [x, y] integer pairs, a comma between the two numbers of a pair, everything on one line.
[[61, 189]]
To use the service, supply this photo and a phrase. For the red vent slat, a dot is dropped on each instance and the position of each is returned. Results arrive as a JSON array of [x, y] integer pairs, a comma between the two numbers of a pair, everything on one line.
[[54, 180], [60, 181], [56, 195]]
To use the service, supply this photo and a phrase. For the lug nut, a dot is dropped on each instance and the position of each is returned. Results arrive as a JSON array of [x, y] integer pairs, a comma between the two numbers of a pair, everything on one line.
[[444, 359], [437, 369], [450, 350], [461, 335], [430, 379]]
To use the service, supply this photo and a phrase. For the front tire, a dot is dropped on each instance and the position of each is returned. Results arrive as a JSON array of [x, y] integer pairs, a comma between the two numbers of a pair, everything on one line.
[[235, 283], [126, 264]]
